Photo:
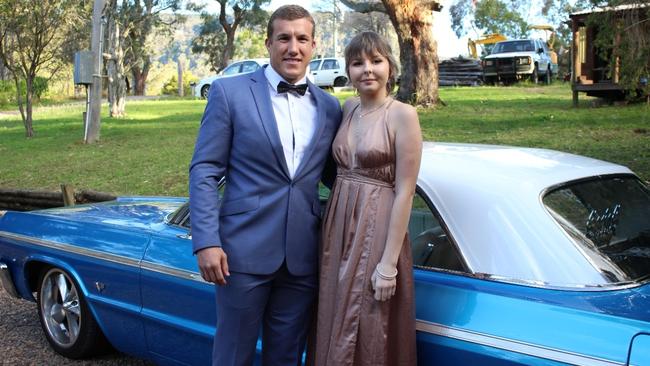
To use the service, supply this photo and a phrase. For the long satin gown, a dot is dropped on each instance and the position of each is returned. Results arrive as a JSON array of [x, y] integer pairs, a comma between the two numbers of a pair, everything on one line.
[[352, 327]]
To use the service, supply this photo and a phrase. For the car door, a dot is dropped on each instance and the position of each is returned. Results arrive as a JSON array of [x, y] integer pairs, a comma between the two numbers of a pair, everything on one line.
[[178, 307], [329, 71], [314, 71]]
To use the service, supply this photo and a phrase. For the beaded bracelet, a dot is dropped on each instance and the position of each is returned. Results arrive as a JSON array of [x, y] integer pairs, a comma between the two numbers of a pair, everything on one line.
[[385, 276]]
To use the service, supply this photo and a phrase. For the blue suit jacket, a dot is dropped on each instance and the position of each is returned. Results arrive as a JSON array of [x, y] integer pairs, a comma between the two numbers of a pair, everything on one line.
[[264, 217]]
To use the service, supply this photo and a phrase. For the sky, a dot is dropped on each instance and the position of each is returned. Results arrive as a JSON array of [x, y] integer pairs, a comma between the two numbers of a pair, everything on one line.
[[448, 44]]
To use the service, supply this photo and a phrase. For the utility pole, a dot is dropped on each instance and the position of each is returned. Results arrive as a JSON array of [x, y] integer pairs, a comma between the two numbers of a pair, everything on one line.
[[91, 134]]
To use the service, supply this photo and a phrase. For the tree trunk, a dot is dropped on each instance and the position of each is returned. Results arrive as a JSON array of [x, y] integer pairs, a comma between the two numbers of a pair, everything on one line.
[[29, 131], [29, 93], [140, 78], [115, 69], [228, 50], [413, 22]]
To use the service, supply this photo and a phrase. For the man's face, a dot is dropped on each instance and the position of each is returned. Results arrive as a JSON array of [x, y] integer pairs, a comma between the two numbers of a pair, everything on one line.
[[291, 47]]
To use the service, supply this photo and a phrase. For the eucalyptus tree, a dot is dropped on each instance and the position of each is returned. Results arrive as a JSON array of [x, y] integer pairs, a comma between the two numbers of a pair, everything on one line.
[[129, 24], [413, 23], [218, 33], [33, 35]]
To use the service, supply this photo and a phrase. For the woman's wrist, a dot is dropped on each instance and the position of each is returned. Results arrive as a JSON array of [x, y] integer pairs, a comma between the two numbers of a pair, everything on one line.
[[386, 272]]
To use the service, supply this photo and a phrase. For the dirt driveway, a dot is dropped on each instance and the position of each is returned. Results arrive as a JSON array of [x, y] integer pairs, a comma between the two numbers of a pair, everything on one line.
[[22, 341]]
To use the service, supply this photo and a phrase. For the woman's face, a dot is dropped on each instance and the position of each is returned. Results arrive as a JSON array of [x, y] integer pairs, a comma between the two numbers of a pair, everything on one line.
[[369, 73]]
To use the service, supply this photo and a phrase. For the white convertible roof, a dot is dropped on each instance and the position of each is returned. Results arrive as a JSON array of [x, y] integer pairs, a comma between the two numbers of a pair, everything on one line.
[[490, 197]]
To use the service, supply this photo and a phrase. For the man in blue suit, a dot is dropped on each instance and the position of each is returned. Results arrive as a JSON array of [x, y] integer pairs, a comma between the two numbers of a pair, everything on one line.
[[269, 134]]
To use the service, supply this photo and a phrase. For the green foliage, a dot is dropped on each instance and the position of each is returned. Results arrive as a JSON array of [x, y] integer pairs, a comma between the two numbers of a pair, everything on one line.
[[213, 38], [623, 40], [210, 41], [490, 16], [40, 86], [7, 92], [8, 89], [171, 86]]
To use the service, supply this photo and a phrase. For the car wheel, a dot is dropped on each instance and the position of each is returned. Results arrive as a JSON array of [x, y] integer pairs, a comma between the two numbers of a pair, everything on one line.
[[340, 81], [534, 77], [65, 317], [205, 90], [548, 78]]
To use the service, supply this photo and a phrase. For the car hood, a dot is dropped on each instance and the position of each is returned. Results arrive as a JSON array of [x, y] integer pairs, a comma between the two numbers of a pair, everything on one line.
[[132, 212], [510, 54]]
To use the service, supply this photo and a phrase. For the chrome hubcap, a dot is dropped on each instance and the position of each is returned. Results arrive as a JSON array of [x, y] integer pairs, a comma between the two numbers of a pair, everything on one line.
[[60, 307]]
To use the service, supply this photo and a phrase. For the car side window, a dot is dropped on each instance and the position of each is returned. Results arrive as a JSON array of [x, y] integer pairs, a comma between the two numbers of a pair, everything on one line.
[[232, 69], [313, 66], [431, 246], [249, 66], [330, 65]]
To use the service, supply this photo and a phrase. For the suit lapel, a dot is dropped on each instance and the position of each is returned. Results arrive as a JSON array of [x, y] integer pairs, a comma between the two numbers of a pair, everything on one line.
[[262, 98], [320, 126]]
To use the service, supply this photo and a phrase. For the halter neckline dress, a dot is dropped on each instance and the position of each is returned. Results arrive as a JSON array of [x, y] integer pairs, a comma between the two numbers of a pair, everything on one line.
[[352, 327]]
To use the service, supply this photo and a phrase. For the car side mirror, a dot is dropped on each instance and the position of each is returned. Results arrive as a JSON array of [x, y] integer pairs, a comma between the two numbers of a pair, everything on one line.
[[540, 50]]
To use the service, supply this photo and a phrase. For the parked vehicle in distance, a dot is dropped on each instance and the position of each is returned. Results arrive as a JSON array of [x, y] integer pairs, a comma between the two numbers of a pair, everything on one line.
[[520, 59], [521, 257], [202, 88], [328, 72]]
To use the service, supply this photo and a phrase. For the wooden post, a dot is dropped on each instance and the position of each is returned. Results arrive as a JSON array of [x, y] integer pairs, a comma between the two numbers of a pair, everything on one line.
[[91, 133], [575, 60], [68, 195], [575, 50]]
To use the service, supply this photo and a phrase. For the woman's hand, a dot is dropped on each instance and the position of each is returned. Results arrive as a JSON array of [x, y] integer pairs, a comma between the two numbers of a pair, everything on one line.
[[384, 282]]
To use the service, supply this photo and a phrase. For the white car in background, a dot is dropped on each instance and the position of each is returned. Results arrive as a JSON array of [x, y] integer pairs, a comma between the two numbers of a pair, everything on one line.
[[202, 88], [328, 72]]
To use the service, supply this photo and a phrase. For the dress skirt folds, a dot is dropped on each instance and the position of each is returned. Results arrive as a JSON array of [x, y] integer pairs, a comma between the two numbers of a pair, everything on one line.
[[352, 327]]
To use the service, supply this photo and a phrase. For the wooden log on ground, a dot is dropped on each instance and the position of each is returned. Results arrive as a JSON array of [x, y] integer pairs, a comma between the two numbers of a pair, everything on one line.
[[94, 196], [30, 194]]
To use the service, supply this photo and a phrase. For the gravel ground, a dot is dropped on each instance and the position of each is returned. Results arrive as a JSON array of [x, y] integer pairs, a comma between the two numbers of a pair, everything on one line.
[[22, 341]]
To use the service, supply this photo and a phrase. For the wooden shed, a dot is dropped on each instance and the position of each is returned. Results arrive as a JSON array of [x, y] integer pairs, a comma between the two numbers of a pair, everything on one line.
[[590, 72]]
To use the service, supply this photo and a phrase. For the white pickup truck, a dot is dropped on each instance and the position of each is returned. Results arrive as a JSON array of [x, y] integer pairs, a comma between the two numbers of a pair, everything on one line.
[[520, 59]]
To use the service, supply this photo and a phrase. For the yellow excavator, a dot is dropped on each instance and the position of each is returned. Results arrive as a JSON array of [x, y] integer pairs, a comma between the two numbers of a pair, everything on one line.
[[489, 39]]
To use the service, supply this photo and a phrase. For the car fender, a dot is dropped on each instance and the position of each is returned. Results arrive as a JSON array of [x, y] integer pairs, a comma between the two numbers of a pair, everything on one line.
[[37, 261]]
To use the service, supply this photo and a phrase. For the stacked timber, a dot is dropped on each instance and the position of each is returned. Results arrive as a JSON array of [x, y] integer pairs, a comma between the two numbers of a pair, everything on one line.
[[26, 200], [460, 71]]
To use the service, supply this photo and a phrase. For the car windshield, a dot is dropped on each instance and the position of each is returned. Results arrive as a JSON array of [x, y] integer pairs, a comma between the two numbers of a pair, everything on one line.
[[609, 218], [514, 46], [314, 65]]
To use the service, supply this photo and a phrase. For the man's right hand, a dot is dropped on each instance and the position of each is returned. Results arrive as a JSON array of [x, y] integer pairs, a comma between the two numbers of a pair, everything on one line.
[[213, 263]]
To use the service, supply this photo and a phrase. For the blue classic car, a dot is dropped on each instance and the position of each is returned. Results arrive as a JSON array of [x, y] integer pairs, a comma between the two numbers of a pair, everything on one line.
[[522, 257]]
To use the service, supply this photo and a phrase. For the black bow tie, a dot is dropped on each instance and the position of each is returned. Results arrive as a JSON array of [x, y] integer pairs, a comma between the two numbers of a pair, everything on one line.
[[284, 87]]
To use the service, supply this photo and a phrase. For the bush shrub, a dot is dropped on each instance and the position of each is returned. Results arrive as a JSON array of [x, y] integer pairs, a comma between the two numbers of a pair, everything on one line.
[[8, 90], [171, 86]]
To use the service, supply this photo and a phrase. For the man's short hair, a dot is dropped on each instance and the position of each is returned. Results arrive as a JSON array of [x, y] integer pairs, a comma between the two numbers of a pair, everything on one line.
[[290, 12]]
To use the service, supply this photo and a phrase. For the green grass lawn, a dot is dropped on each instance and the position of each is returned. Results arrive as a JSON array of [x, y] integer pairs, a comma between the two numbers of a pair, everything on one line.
[[148, 152]]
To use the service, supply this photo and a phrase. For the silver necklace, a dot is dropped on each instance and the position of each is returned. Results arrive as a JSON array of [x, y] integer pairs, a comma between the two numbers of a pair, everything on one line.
[[356, 128], [363, 114]]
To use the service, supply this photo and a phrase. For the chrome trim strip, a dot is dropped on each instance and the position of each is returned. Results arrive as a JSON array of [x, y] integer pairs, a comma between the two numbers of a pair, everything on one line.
[[69, 248], [7, 282], [512, 345], [183, 274]]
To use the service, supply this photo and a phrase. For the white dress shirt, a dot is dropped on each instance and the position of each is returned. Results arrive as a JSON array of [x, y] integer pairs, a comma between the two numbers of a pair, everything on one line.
[[296, 119]]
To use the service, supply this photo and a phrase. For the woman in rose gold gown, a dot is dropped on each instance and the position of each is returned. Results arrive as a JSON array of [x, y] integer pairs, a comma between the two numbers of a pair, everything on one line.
[[366, 312]]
